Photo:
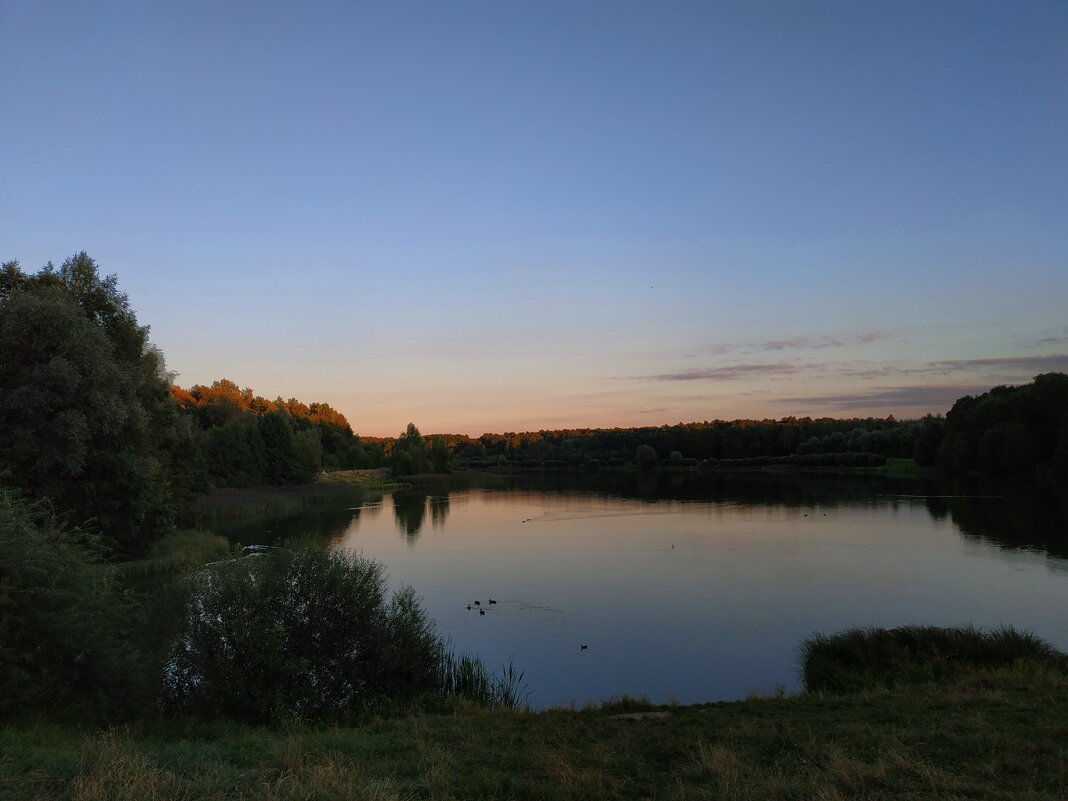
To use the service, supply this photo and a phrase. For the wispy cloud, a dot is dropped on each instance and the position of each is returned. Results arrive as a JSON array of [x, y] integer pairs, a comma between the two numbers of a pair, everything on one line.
[[800, 343], [925, 396], [1053, 336], [1010, 367], [729, 373], [1006, 368], [1056, 361]]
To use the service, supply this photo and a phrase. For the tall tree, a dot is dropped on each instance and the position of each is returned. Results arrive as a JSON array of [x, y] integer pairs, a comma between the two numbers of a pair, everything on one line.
[[86, 416], [73, 428]]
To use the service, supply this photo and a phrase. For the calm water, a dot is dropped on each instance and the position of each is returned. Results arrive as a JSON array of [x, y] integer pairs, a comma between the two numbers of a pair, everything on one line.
[[700, 589]]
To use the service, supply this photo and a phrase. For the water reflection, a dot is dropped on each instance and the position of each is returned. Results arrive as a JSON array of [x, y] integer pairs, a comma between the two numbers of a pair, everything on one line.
[[1026, 518], [409, 510], [439, 509], [1020, 516], [1017, 517], [701, 587]]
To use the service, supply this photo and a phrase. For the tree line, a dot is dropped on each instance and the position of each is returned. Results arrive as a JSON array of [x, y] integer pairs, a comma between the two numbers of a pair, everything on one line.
[[1009, 431]]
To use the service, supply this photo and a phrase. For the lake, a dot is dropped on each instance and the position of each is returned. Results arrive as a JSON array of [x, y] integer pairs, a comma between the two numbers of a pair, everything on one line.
[[699, 588]]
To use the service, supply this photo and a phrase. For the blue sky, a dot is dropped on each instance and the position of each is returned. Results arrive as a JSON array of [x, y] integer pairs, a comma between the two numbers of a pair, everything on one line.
[[503, 216]]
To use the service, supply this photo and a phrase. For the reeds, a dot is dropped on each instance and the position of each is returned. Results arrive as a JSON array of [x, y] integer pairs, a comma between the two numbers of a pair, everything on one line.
[[465, 676], [180, 551]]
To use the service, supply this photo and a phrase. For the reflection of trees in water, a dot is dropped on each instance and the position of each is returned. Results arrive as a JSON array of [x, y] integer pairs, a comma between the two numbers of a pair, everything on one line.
[[409, 509], [372, 507], [1020, 516], [439, 509], [1025, 517], [792, 490]]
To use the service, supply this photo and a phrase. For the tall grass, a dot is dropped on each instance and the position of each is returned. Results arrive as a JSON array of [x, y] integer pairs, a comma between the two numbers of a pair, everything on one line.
[[180, 551], [465, 676], [869, 658]]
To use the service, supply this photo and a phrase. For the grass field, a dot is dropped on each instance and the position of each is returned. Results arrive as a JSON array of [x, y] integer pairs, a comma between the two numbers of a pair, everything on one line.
[[991, 734]]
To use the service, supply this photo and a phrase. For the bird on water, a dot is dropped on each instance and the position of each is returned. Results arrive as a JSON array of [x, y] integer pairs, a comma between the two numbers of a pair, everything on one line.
[[583, 647], [492, 601], [482, 611]]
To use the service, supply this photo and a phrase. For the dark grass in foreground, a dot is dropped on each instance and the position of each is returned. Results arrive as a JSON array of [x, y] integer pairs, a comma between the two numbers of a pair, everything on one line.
[[991, 733]]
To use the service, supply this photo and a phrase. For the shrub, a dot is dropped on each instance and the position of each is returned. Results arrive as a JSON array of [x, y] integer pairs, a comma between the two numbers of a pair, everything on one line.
[[868, 658], [304, 632], [64, 624]]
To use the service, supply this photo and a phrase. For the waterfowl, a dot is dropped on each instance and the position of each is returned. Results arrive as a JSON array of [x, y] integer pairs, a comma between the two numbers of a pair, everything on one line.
[[492, 601], [478, 603], [583, 647], [482, 611]]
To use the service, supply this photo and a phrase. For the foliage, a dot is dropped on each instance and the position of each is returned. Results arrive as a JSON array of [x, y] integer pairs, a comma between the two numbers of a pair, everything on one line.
[[410, 453], [1010, 430], [645, 457], [64, 624], [76, 416], [303, 632], [864, 659], [281, 462], [248, 441], [439, 454]]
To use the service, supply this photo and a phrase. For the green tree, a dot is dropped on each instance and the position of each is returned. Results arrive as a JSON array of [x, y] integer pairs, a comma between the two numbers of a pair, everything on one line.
[[645, 456], [235, 453], [282, 464], [439, 454], [309, 453], [72, 424], [410, 453], [100, 393]]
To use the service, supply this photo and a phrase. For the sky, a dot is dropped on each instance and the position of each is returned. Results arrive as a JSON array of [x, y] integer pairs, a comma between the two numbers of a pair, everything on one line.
[[507, 216]]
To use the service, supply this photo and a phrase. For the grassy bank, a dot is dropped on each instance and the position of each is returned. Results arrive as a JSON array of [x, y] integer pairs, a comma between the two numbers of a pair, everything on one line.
[[994, 734], [337, 487]]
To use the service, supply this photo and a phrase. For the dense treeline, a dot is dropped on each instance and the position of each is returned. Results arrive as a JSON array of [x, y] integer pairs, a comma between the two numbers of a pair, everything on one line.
[[1009, 431], [684, 443], [243, 440]]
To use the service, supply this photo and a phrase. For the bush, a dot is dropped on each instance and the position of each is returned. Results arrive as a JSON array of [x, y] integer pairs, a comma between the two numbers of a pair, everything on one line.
[[869, 658], [64, 624], [304, 632]]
